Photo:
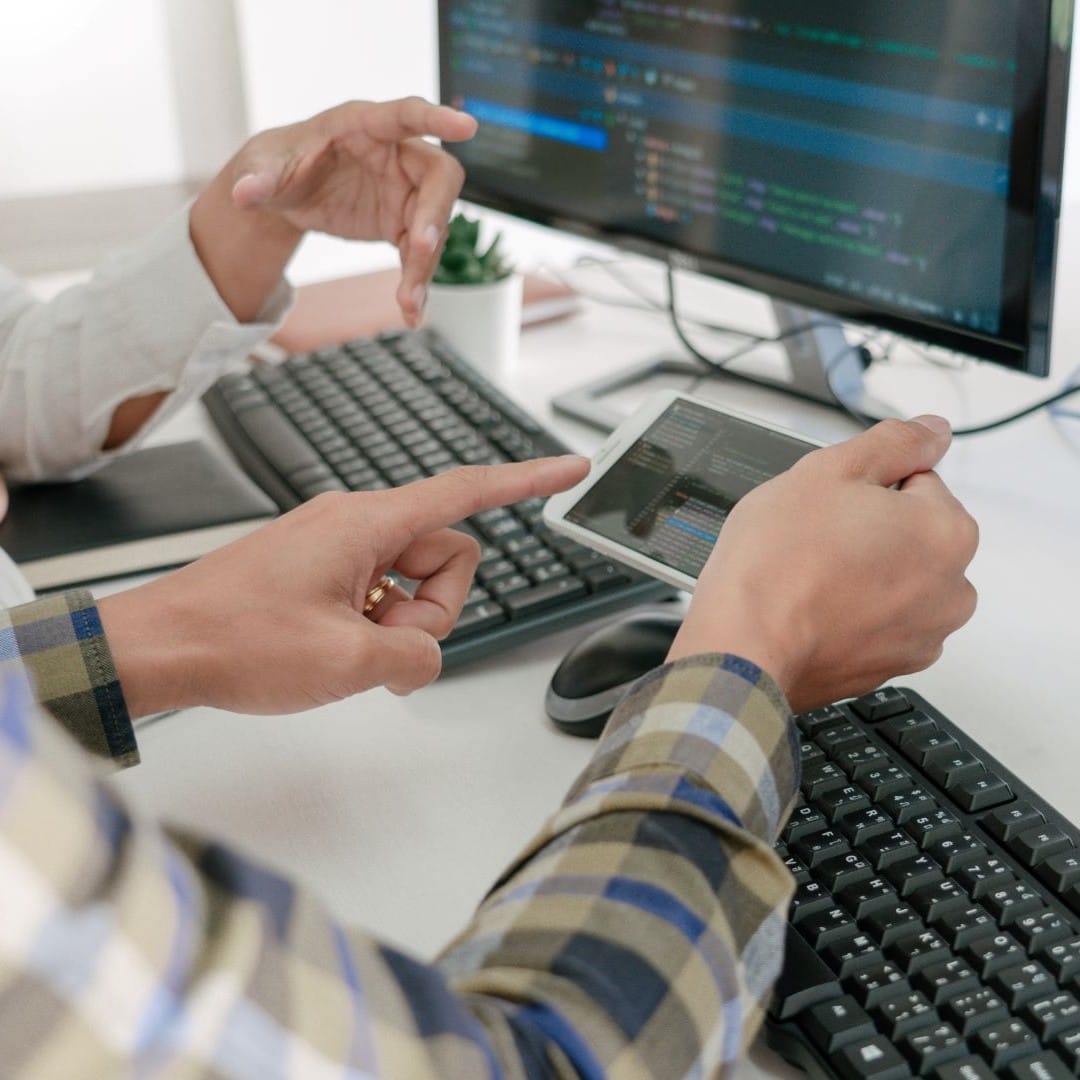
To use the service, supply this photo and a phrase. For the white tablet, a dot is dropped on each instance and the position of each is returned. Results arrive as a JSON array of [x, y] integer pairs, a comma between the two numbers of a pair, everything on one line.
[[662, 485]]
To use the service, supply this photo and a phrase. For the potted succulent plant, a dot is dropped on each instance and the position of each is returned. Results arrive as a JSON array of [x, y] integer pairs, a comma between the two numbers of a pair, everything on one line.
[[475, 298]]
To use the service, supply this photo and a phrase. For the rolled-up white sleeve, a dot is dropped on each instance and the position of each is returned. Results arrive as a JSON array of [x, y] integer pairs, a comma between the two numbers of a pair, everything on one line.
[[148, 320]]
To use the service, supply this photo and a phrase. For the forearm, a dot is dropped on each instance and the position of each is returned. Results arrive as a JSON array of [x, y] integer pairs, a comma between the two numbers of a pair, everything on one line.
[[244, 252], [645, 924], [643, 927], [87, 370]]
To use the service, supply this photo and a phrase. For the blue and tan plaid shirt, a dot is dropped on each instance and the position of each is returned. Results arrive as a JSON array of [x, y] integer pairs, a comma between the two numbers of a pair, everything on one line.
[[638, 935]]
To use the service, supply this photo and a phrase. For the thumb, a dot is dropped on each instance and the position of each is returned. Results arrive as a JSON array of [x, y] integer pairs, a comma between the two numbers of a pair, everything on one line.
[[404, 659], [896, 449], [254, 189]]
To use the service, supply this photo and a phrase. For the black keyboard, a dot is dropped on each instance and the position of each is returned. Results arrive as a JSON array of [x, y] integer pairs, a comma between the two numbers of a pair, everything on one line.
[[384, 412], [935, 929]]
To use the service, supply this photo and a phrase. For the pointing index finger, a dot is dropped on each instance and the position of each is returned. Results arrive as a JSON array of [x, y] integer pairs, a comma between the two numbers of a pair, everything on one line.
[[428, 505]]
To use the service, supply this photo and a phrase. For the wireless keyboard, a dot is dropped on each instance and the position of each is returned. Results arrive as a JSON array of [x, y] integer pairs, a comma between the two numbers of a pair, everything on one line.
[[935, 929], [383, 412]]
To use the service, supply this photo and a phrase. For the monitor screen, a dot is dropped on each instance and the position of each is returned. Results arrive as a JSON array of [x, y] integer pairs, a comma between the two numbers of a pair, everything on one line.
[[892, 163]]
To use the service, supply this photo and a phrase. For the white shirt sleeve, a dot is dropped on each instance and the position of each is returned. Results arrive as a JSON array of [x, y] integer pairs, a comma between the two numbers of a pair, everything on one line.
[[148, 320]]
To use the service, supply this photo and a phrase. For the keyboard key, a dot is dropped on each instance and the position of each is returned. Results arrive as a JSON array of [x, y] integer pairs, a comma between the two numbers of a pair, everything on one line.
[[981, 792], [928, 1048], [851, 953], [911, 874], [861, 758], [992, 954], [866, 897], [810, 723], [1062, 958], [954, 852], [964, 925], [880, 705], [1044, 1066], [834, 1024], [888, 924], [878, 783], [1041, 928], [965, 1068], [895, 731], [1034, 846], [843, 870], [805, 979], [816, 847], [811, 898], [918, 950], [971, 1010], [945, 979], [804, 819], [864, 824], [934, 900], [1068, 1047], [872, 1058], [1004, 1042], [1060, 871], [826, 926], [905, 1013], [920, 745], [839, 737], [948, 767], [905, 805], [1053, 1015], [883, 851], [928, 829], [605, 576], [1011, 901], [876, 983], [983, 876], [837, 802], [477, 618], [1021, 983], [544, 596], [820, 778], [1009, 821]]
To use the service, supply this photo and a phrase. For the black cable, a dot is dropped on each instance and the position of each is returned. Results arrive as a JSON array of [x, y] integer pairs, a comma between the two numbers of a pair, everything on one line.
[[865, 419], [721, 365]]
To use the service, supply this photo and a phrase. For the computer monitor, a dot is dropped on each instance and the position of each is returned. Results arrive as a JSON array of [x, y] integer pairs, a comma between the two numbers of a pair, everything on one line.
[[890, 164]]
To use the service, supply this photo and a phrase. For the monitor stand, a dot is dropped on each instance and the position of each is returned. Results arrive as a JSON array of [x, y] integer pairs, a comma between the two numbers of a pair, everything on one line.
[[824, 367]]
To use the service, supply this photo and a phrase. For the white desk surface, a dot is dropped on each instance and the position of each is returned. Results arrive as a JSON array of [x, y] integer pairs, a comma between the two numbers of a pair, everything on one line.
[[401, 813]]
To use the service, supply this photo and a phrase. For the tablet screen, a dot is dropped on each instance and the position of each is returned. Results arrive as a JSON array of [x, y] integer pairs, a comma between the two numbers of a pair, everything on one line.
[[668, 495]]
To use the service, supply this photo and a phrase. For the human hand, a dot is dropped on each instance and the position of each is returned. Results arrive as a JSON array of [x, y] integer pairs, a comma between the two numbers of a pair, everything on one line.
[[364, 172], [273, 623], [832, 578]]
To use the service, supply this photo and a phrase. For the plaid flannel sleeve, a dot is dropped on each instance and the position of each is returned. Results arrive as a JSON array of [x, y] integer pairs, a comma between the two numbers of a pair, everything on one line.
[[638, 935], [60, 643]]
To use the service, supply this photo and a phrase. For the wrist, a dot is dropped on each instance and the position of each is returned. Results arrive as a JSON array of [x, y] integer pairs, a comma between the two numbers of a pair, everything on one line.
[[746, 641], [155, 648], [244, 251]]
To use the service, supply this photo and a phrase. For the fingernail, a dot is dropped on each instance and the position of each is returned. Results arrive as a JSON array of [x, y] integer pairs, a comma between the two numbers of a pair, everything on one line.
[[419, 297], [937, 424], [431, 238]]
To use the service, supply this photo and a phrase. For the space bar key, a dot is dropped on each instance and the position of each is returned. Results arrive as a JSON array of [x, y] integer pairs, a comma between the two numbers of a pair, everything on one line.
[[278, 441], [550, 594]]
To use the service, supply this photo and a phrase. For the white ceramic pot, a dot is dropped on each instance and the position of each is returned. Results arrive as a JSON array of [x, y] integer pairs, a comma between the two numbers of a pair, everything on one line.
[[482, 322]]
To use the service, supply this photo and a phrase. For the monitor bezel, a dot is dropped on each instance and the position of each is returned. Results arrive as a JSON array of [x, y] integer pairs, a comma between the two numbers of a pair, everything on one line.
[[1040, 188]]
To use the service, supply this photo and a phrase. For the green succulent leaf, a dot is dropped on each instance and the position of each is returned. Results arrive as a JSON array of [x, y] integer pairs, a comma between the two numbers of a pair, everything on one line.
[[462, 263]]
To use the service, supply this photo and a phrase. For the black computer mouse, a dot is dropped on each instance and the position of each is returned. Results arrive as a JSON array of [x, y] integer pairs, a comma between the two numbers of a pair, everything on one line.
[[597, 673]]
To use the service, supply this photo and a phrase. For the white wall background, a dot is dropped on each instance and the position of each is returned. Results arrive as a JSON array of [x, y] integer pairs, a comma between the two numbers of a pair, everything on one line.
[[86, 85], [85, 96]]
